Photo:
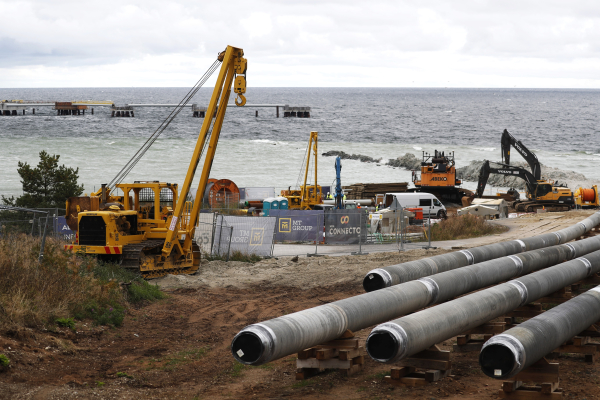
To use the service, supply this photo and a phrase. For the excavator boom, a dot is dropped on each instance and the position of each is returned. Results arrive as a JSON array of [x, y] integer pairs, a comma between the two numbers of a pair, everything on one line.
[[507, 141]]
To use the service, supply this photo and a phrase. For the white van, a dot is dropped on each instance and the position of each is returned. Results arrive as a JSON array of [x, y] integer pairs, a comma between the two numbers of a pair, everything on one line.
[[430, 204]]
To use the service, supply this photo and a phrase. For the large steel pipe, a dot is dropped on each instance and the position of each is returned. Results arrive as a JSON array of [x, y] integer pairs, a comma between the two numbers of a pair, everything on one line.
[[260, 343], [395, 340], [380, 278], [507, 354]]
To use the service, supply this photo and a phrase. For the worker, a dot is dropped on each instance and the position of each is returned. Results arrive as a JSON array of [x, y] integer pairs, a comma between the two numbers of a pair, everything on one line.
[[329, 196], [344, 196], [377, 207]]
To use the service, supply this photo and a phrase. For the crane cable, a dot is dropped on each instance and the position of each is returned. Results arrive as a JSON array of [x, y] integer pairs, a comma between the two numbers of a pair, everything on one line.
[[144, 148]]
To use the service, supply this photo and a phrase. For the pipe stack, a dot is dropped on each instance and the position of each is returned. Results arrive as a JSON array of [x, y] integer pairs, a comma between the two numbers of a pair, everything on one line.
[[400, 338], [260, 343], [380, 278], [507, 354]]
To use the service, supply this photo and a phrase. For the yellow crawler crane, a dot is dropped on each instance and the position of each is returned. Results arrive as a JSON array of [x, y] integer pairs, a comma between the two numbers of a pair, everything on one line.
[[308, 195], [150, 227]]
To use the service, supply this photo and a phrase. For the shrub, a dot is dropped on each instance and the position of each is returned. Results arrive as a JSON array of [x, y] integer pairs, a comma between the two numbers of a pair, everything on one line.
[[140, 290], [463, 227], [66, 322], [4, 361], [63, 286]]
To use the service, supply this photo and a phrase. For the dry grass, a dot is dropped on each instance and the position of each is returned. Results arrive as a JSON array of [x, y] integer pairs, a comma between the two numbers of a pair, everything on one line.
[[464, 227], [33, 294]]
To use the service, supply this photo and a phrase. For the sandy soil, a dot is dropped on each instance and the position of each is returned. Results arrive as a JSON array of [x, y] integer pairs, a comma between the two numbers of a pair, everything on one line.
[[178, 348]]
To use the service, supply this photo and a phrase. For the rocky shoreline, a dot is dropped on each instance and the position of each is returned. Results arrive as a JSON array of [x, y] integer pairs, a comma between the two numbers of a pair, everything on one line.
[[470, 173]]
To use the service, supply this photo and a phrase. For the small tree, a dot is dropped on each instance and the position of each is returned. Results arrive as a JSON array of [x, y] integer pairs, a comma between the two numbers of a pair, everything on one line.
[[46, 186]]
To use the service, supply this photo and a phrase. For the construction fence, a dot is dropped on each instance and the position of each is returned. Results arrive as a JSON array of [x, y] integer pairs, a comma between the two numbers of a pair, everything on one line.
[[34, 221]]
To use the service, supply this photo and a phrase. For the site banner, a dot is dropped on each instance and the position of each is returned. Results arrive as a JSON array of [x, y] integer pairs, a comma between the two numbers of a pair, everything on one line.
[[204, 232], [298, 225], [344, 226], [61, 228], [249, 235]]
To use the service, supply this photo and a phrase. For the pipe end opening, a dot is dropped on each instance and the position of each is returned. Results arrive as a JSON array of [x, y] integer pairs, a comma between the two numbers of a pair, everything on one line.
[[247, 348], [382, 346], [373, 282], [497, 361]]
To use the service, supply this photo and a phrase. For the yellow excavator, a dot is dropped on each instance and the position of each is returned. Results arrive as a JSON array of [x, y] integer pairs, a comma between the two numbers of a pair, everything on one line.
[[150, 226], [308, 195]]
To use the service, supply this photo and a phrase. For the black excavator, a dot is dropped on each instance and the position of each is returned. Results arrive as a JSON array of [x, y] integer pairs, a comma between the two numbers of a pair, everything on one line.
[[540, 193]]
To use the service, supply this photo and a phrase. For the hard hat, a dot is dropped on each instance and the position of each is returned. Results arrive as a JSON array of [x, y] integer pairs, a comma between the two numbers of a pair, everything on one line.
[[114, 207]]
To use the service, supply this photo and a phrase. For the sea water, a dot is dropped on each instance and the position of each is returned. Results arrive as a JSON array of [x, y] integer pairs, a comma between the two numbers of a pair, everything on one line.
[[560, 126]]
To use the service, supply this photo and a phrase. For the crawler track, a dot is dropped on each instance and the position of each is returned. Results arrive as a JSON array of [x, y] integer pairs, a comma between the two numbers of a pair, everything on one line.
[[133, 254]]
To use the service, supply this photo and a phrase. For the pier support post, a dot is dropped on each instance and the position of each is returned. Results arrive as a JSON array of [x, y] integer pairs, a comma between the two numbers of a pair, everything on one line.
[[23, 111], [92, 111], [33, 111], [14, 112], [256, 115], [277, 111]]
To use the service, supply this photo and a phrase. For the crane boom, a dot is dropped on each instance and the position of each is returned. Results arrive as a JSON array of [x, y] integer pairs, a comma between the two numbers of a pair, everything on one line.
[[233, 64]]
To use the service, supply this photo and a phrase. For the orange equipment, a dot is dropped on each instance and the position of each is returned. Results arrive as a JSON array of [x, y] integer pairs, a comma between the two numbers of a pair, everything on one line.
[[438, 176]]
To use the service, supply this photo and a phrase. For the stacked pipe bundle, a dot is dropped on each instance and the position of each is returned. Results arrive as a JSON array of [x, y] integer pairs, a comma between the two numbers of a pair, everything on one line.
[[380, 278], [260, 343], [507, 354], [400, 338]]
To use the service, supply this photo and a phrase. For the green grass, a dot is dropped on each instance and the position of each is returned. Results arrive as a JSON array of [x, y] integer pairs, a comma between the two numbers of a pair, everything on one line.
[[4, 361], [140, 290], [100, 384], [379, 375], [66, 322], [124, 375], [303, 384], [183, 357]]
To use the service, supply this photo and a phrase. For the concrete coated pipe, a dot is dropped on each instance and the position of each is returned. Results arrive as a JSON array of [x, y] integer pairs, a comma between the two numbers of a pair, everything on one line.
[[400, 338], [507, 354], [395, 274], [260, 343]]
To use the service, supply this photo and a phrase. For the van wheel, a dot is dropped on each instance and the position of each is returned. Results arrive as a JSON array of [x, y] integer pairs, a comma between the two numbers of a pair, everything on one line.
[[441, 214]]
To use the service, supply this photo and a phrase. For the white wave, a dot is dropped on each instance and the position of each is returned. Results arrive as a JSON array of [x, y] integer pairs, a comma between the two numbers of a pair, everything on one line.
[[486, 148], [111, 142], [264, 141], [448, 111], [417, 148]]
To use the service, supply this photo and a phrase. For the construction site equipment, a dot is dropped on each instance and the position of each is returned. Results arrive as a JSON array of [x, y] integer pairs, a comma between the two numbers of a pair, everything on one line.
[[371, 190], [339, 193], [402, 337], [540, 193], [380, 278], [221, 193], [150, 227], [307, 196], [507, 141], [265, 341], [486, 208], [438, 177], [587, 198], [505, 355]]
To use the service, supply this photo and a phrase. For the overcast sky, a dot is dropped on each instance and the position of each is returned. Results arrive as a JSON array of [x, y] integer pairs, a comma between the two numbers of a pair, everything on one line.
[[466, 43]]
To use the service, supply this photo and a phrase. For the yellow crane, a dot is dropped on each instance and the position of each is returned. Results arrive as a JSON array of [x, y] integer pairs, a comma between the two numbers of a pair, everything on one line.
[[307, 196], [150, 227]]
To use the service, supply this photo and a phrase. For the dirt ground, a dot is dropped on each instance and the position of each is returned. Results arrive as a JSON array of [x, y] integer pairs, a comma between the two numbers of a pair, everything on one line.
[[178, 348]]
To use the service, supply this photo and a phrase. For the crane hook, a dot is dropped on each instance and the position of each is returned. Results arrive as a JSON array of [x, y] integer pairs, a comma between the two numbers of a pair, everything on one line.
[[242, 100]]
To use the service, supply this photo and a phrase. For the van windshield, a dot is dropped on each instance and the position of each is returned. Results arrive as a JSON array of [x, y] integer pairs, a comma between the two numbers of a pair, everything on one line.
[[437, 203]]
